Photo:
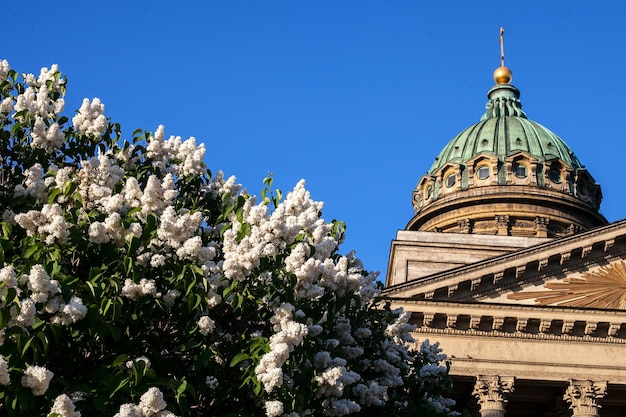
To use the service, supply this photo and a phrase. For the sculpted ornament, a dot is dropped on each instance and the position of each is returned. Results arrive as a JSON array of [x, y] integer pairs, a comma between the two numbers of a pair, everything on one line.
[[490, 391], [601, 288], [582, 396]]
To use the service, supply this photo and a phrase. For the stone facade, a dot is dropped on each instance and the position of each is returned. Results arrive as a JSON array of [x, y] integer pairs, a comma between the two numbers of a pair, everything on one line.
[[510, 266], [488, 319]]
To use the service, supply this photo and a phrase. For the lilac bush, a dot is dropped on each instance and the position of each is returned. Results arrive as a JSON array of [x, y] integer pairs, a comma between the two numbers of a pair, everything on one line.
[[134, 282]]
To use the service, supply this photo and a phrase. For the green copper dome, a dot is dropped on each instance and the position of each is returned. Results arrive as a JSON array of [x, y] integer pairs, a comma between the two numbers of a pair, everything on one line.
[[506, 175], [504, 130]]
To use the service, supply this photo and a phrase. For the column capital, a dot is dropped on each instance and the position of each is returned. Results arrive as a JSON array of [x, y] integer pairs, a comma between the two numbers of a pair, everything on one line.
[[491, 392], [582, 395]]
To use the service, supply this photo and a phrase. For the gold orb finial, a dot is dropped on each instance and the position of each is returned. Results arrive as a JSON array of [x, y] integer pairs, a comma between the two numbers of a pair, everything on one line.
[[502, 75]]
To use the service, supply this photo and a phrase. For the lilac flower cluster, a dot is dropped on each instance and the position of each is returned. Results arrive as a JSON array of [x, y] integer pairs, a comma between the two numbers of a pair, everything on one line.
[[137, 244]]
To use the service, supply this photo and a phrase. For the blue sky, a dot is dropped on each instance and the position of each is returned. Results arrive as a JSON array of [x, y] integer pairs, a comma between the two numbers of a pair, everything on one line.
[[355, 96]]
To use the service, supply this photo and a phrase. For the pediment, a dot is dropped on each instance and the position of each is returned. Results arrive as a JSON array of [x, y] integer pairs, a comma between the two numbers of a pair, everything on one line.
[[586, 270], [596, 286]]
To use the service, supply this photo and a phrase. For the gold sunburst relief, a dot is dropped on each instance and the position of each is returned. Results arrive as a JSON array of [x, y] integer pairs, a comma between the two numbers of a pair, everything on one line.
[[602, 288]]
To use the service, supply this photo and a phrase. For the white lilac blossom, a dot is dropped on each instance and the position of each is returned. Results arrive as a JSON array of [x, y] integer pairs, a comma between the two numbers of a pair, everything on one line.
[[68, 313], [5, 378], [46, 137], [400, 330], [333, 381], [371, 394], [49, 223], [289, 334], [34, 185], [128, 410], [90, 119], [64, 407], [157, 245], [47, 79], [170, 297], [432, 352], [24, 314], [157, 194], [7, 280], [134, 291], [341, 407], [206, 325], [443, 405], [152, 402], [273, 408], [40, 285], [176, 228], [97, 178], [37, 378], [187, 155], [4, 69], [37, 99], [6, 106], [109, 230]]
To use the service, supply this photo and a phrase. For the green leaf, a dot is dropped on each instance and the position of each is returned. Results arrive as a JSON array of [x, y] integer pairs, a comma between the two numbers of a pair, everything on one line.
[[10, 296], [6, 230], [121, 385], [27, 345], [55, 192], [132, 211], [68, 187], [240, 357], [120, 360], [181, 388], [92, 289], [30, 250]]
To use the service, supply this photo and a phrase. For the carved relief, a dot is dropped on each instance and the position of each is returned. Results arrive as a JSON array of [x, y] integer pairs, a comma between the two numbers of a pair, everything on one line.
[[541, 226], [568, 325], [582, 396], [452, 289], [498, 322], [491, 392], [503, 223], [603, 288], [465, 226], [614, 329], [544, 326], [590, 327]]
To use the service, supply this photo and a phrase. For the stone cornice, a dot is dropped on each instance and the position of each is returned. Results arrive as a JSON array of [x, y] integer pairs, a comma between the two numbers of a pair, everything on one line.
[[564, 324], [580, 245]]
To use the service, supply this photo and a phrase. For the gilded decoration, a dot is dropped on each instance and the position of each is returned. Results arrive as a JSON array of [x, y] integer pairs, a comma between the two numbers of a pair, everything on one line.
[[602, 288]]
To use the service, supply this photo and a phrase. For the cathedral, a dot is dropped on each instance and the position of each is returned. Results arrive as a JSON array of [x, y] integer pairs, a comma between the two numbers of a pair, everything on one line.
[[508, 263]]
